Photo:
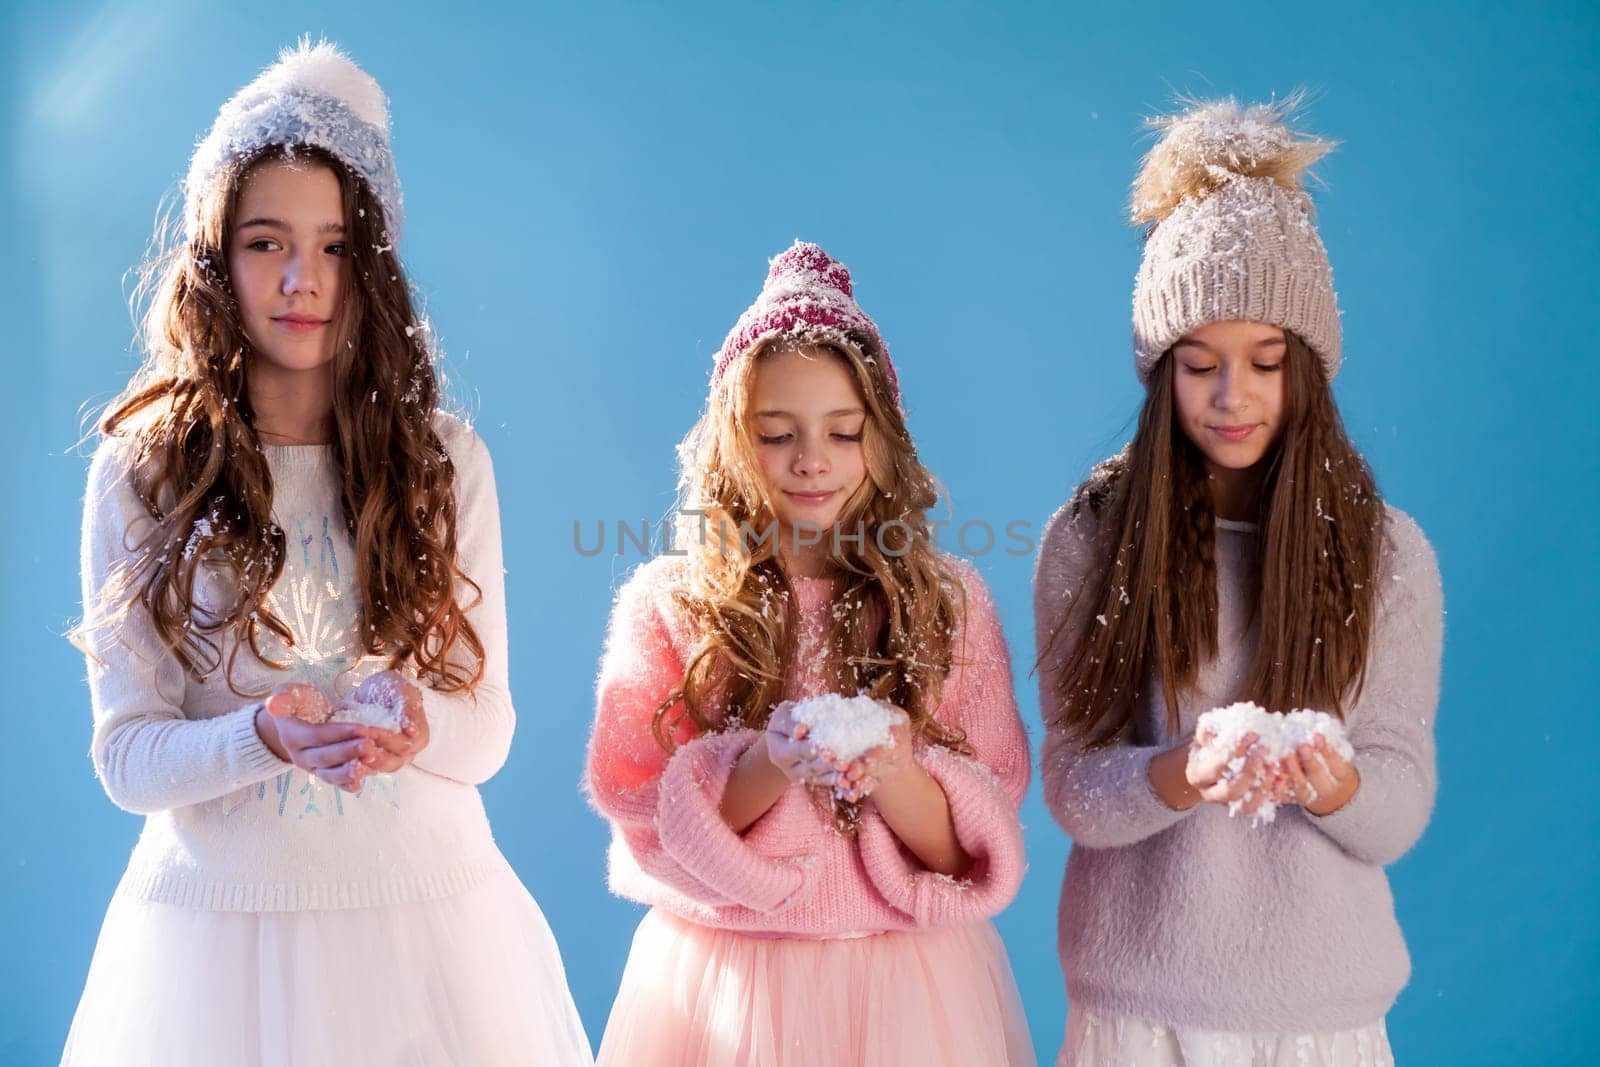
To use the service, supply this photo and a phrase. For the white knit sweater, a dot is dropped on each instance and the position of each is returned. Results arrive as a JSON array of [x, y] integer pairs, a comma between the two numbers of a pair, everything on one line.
[[228, 825]]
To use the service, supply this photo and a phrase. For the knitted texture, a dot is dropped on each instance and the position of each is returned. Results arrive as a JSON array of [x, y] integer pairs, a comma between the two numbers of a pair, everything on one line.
[[1194, 918], [807, 295], [1233, 237], [792, 872], [228, 825], [313, 95]]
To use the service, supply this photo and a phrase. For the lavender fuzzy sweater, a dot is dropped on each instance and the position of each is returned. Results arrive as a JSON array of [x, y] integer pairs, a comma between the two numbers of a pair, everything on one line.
[[1194, 918]]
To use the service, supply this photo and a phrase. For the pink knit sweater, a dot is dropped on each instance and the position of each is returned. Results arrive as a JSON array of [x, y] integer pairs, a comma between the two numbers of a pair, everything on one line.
[[792, 873]]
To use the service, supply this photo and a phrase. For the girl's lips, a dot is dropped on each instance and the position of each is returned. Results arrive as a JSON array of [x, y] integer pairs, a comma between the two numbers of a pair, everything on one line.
[[1233, 433], [811, 498], [300, 323]]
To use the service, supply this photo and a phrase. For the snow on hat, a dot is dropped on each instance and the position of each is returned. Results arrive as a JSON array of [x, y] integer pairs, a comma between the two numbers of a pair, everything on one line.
[[1232, 235], [808, 294], [313, 95]]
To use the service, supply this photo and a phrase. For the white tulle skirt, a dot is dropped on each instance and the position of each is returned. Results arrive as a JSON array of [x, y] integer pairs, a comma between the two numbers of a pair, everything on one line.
[[1095, 1040], [472, 979]]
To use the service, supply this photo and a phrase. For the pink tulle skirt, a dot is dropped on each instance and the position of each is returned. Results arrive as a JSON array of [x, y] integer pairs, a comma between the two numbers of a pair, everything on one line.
[[693, 996]]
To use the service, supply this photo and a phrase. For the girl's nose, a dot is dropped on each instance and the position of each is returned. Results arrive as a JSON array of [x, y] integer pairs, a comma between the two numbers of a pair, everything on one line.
[[1230, 394], [810, 463], [300, 276]]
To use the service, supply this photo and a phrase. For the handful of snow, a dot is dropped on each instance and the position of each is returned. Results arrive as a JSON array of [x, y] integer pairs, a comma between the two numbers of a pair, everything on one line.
[[379, 702], [847, 727], [1279, 735]]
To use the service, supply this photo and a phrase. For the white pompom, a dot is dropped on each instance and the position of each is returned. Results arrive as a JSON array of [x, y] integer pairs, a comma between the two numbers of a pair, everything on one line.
[[324, 69]]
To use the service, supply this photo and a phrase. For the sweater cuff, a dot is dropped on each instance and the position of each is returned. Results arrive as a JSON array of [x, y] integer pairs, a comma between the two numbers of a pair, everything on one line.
[[693, 832], [1373, 825], [255, 760], [986, 825]]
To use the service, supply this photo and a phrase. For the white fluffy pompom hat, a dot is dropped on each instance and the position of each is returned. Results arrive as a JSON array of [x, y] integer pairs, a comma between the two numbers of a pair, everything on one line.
[[1231, 234], [313, 95]]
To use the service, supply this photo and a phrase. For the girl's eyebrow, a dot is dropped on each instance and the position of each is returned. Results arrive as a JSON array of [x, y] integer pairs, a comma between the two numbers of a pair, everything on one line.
[[279, 224], [790, 415], [1265, 342]]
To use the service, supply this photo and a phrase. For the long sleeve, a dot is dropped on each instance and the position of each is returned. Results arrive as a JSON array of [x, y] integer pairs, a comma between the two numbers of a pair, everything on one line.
[[984, 791], [148, 756], [1102, 797], [470, 732], [667, 808], [1391, 724]]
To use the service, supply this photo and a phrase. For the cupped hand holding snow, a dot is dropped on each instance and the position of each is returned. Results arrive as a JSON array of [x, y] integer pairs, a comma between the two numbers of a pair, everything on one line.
[[294, 724], [390, 705], [1269, 758], [832, 740], [298, 700], [793, 752], [384, 700]]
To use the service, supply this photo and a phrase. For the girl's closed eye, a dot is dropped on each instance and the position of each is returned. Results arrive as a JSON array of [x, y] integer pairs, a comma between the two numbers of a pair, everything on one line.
[[1195, 370], [775, 439]]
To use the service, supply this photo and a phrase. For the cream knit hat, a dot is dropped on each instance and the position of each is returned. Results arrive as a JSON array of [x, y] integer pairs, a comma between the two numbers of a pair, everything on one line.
[[313, 95], [1232, 235]]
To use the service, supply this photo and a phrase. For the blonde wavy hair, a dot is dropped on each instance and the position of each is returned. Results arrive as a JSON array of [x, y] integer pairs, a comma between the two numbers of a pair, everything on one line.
[[896, 611]]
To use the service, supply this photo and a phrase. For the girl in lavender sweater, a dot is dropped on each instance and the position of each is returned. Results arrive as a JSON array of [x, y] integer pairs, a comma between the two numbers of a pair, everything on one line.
[[1236, 549], [281, 529], [808, 912]]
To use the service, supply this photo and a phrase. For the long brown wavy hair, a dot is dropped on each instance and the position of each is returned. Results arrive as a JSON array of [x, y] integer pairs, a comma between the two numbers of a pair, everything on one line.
[[1155, 579], [895, 612], [194, 457]]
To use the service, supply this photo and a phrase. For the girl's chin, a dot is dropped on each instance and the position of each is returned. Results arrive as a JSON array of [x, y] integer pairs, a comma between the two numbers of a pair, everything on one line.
[[811, 526], [1236, 463], [292, 361]]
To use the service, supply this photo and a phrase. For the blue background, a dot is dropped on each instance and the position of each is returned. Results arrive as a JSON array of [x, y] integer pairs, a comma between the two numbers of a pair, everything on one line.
[[593, 193]]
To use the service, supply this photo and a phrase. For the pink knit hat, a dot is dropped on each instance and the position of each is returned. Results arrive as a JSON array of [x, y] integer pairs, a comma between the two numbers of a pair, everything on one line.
[[807, 294]]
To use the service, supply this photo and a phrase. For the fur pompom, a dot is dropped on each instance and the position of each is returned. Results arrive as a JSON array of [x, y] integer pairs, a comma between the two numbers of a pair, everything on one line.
[[1213, 143], [324, 70]]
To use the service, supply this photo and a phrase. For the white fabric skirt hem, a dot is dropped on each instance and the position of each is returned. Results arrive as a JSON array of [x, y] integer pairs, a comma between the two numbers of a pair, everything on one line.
[[1097, 1040], [474, 978]]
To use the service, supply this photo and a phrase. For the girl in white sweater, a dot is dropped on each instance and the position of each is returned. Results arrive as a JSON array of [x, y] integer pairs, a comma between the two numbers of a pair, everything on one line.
[[295, 624]]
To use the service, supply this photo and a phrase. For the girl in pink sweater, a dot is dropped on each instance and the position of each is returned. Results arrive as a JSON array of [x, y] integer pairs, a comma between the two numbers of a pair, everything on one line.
[[808, 910]]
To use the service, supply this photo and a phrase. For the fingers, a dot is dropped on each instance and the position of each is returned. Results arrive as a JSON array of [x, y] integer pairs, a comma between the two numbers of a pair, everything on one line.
[[299, 701], [394, 743], [1252, 800], [1338, 766], [1248, 776], [1300, 788], [347, 776], [1208, 768], [1230, 784], [323, 757], [1316, 771], [381, 762]]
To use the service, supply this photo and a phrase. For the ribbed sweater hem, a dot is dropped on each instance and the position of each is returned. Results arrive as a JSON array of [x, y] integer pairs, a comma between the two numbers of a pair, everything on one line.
[[188, 891]]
